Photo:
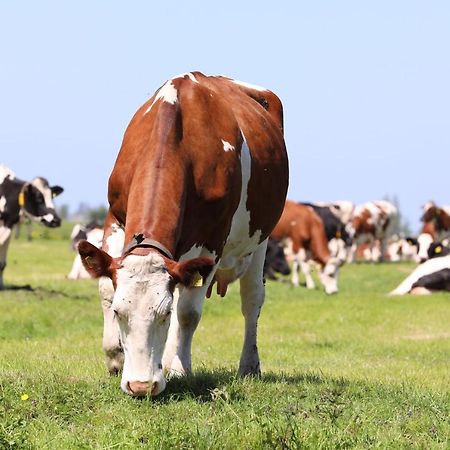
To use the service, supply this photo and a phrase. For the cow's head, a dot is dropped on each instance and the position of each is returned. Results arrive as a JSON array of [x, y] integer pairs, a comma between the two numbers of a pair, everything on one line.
[[329, 274], [38, 201], [142, 303], [424, 241]]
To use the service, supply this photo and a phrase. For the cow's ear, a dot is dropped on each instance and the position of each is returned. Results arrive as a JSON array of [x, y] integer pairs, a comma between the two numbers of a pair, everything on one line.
[[190, 273], [56, 190], [97, 262]]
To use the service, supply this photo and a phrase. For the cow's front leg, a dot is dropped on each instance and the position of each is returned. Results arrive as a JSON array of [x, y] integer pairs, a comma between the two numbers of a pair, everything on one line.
[[306, 268], [111, 337], [186, 313], [5, 236], [252, 298]]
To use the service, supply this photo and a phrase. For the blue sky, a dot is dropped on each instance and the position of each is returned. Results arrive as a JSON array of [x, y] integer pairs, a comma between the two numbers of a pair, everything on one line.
[[365, 87]]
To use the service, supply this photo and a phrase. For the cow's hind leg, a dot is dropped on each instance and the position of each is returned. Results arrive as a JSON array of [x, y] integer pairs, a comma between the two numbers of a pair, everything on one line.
[[252, 298]]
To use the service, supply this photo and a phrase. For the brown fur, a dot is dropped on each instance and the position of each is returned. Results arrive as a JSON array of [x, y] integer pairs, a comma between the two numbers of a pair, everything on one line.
[[301, 224]]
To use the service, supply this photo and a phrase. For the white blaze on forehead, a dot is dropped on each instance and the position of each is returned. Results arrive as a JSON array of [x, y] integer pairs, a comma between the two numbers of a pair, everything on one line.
[[248, 85], [2, 203], [227, 146], [5, 172], [142, 300], [167, 93]]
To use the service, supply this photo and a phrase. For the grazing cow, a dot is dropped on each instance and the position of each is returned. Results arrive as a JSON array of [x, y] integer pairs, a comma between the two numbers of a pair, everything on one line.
[[436, 226], [339, 240], [93, 233], [431, 275], [304, 227], [369, 224], [33, 199], [275, 261], [198, 185]]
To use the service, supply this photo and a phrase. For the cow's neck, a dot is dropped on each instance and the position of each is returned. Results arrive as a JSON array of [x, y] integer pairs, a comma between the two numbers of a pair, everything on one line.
[[155, 208], [11, 215]]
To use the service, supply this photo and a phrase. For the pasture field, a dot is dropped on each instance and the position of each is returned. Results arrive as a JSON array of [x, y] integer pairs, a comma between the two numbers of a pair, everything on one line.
[[355, 370]]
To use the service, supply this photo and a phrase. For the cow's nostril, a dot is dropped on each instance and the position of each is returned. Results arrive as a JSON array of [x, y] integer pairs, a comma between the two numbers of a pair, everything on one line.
[[139, 388]]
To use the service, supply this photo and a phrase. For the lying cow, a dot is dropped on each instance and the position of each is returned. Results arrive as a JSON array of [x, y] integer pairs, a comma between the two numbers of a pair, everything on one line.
[[275, 261], [305, 229], [33, 199], [402, 249], [93, 233], [431, 275], [198, 185]]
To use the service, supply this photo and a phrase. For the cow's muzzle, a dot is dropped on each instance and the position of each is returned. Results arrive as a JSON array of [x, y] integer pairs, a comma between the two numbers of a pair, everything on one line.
[[144, 388]]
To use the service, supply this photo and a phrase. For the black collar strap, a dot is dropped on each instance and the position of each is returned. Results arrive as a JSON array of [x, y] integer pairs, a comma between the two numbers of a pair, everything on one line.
[[140, 241]]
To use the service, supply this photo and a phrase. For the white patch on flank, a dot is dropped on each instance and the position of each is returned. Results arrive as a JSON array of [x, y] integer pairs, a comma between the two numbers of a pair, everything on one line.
[[168, 93], [248, 85], [2, 203], [428, 267], [188, 74], [446, 208], [227, 146], [5, 172], [239, 242]]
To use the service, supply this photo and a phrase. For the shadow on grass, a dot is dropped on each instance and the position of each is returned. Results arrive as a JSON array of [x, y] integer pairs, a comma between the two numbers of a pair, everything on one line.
[[205, 386], [42, 292]]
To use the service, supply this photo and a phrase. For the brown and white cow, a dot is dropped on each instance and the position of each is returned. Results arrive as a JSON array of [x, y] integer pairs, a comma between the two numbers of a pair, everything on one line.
[[435, 226], [198, 185], [369, 224], [300, 224]]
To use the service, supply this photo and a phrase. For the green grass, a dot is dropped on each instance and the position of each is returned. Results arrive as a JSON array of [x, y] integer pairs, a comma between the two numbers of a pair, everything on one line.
[[355, 370]]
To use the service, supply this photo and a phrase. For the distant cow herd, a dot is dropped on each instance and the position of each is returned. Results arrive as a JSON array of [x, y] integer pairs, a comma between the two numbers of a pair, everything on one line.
[[197, 199]]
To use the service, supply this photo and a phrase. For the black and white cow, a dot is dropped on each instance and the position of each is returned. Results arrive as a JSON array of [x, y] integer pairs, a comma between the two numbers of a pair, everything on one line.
[[431, 275], [339, 240], [275, 261], [33, 199], [93, 233]]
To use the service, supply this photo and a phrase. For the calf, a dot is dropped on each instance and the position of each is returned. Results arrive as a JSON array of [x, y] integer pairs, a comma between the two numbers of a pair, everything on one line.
[[198, 185], [33, 199], [305, 228]]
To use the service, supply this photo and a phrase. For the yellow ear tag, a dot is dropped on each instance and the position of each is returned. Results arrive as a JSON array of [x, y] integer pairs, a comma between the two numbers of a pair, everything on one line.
[[338, 234], [438, 249], [21, 199], [87, 261], [197, 280]]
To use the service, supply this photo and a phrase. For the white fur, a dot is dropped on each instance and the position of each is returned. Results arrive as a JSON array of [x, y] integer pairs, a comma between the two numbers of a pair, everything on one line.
[[167, 93], [5, 172], [2, 203], [248, 85], [188, 74], [428, 267], [227, 146], [78, 271], [424, 240]]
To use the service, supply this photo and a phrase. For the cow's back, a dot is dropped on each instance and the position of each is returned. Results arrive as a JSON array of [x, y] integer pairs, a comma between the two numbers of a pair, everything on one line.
[[196, 151]]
